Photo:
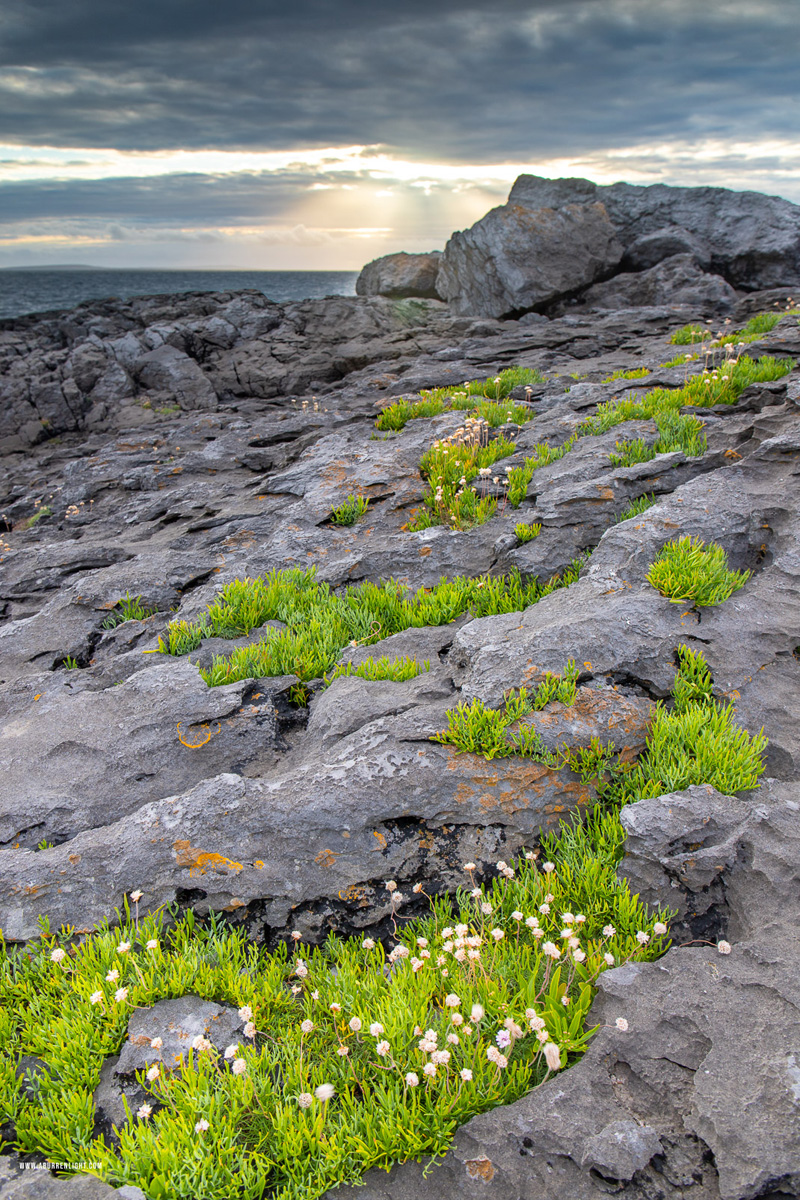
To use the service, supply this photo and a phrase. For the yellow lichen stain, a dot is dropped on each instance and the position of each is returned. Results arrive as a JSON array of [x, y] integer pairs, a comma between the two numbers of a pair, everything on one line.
[[234, 904], [427, 840], [480, 1168], [606, 493], [354, 895], [74, 859], [200, 861], [424, 551], [325, 858], [206, 735], [380, 839], [258, 864]]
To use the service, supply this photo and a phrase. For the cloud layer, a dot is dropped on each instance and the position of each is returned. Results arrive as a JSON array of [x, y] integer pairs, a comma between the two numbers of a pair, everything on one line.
[[445, 100]]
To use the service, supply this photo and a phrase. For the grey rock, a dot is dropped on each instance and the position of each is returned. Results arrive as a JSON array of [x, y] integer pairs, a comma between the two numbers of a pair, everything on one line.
[[515, 258], [400, 275], [38, 1184], [170, 371], [621, 1149], [675, 280], [177, 1022]]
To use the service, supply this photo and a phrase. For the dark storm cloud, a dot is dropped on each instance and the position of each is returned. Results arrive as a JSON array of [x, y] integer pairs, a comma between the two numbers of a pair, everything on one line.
[[448, 80]]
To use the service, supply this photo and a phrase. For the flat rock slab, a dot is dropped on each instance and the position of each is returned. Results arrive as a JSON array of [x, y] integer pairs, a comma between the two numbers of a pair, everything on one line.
[[177, 1022]]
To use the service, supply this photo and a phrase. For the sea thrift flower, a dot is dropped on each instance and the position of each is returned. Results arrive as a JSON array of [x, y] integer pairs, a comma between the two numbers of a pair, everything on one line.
[[325, 1092], [453, 1039], [516, 916], [112, 976], [466, 1075], [477, 1012], [307, 1026], [659, 928], [249, 1030], [452, 1000], [551, 950], [422, 942], [469, 866], [136, 896], [355, 1024], [95, 997], [457, 1018], [144, 1112], [440, 1057], [153, 1073], [552, 1056], [297, 935], [246, 1013], [239, 1066], [417, 888], [58, 955], [621, 1024], [429, 1069], [642, 937], [609, 959], [382, 1049], [391, 886], [120, 994], [123, 947], [531, 922], [578, 956], [486, 908], [548, 867], [152, 944], [201, 1043], [412, 1080], [498, 935], [336, 1007], [343, 1051], [305, 1100], [301, 970], [724, 947], [202, 1125], [376, 1029], [156, 1043], [476, 893], [231, 1051], [608, 931], [368, 944], [544, 908]]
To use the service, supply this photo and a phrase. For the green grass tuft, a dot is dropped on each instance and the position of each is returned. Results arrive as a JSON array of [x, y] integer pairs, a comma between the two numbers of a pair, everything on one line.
[[689, 335], [350, 510], [485, 397], [636, 373], [397, 670], [129, 608], [526, 533], [687, 569], [636, 508]]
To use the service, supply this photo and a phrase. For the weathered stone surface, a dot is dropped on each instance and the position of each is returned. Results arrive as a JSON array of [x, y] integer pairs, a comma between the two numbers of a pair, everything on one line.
[[675, 280], [401, 275], [515, 258], [177, 1023], [21, 1183]]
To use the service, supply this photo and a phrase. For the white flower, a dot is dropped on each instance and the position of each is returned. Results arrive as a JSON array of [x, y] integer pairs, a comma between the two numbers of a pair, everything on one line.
[[397, 897], [355, 1024], [467, 1030], [201, 1043], [301, 970], [156, 1043], [486, 907], [123, 948], [531, 922], [246, 1013], [609, 959], [417, 888], [453, 1039], [426, 1045], [457, 1019], [297, 935], [136, 896], [498, 935], [120, 994], [621, 1024], [462, 930], [659, 928], [239, 1066], [153, 1073], [469, 866], [477, 1012], [58, 955], [112, 976], [422, 942], [95, 997], [552, 1056], [382, 1048], [548, 867], [144, 1112], [231, 1051], [578, 956], [466, 1075], [551, 950], [440, 1057], [579, 918], [447, 932], [201, 1126], [516, 915], [429, 1069], [343, 1051], [305, 1100], [544, 908], [249, 1030], [391, 886], [608, 931], [336, 1007], [325, 1092], [368, 944], [542, 1035], [476, 893], [724, 947], [376, 1029], [568, 918], [412, 1080], [642, 937], [152, 944], [307, 1026], [452, 1000]]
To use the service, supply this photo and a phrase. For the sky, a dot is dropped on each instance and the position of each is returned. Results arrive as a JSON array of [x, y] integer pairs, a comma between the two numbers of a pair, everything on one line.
[[319, 134]]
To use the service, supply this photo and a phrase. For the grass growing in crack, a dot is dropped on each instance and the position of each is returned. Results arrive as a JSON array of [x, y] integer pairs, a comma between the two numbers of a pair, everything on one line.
[[345, 1065], [687, 569], [128, 608], [755, 328], [320, 623], [636, 373], [636, 508], [526, 533], [679, 360], [449, 467], [32, 521], [350, 510], [485, 397], [477, 729], [520, 477], [689, 335], [676, 431], [397, 670]]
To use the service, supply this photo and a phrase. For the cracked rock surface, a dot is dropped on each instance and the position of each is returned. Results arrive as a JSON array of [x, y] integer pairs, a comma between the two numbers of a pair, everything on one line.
[[172, 444]]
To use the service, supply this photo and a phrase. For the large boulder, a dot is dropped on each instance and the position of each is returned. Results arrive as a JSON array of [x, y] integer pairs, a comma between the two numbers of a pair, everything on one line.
[[676, 280], [401, 275], [517, 258], [751, 239]]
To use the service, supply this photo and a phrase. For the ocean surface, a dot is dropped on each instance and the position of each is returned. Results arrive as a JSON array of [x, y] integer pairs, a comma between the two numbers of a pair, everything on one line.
[[43, 289]]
